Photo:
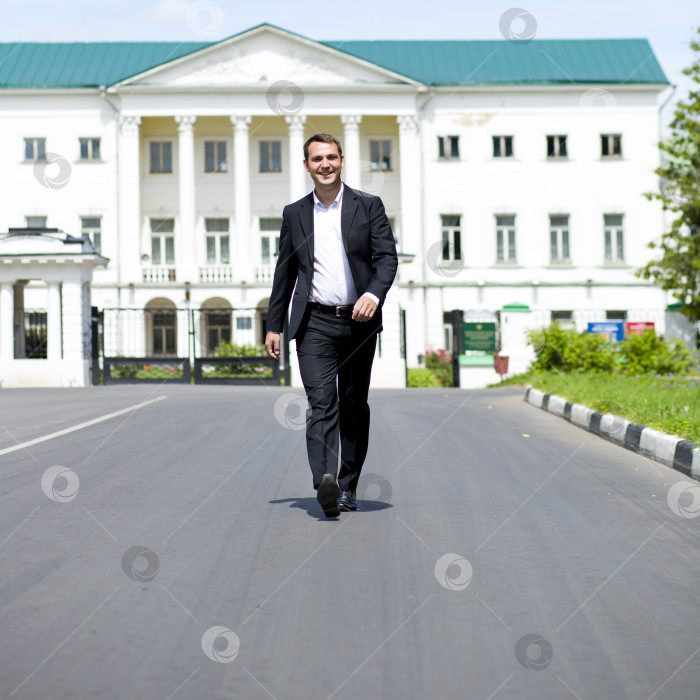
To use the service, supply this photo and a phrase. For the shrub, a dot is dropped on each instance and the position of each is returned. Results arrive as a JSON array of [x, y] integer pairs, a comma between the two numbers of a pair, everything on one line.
[[439, 362], [568, 350], [644, 353], [422, 378], [227, 349]]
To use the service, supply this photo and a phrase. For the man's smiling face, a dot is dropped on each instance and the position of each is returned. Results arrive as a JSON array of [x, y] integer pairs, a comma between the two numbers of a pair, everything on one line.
[[324, 164]]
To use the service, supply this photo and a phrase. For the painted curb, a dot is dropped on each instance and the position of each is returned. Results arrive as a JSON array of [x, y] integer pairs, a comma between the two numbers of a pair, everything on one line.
[[677, 453]]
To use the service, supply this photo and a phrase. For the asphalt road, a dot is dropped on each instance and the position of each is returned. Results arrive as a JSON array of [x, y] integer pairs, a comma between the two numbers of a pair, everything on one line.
[[176, 550]]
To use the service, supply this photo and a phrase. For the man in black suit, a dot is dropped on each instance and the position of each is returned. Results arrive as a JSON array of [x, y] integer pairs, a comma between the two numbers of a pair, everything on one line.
[[337, 253]]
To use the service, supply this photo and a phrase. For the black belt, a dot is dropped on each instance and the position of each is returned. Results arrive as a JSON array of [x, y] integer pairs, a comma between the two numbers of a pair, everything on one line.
[[337, 311]]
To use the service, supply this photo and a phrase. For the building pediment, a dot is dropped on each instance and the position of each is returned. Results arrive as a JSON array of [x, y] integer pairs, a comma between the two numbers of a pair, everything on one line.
[[262, 57]]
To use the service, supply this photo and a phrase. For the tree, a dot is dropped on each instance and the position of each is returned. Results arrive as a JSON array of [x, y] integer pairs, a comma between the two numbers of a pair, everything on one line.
[[678, 268]]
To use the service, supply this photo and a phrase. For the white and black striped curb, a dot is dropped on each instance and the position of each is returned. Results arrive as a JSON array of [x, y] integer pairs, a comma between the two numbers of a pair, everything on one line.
[[674, 452]]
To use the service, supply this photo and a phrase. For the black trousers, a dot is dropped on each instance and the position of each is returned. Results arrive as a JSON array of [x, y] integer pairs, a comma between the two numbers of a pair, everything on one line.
[[335, 361]]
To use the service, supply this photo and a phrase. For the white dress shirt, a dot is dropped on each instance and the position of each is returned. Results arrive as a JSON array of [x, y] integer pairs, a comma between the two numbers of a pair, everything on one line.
[[332, 282]]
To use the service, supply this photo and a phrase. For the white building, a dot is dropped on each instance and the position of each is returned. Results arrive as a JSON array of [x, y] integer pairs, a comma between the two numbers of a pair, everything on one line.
[[513, 171]]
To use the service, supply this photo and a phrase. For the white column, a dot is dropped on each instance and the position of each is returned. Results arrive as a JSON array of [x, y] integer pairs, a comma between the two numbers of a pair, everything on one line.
[[352, 172], [410, 173], [241, 174], [185, 243], [129, 201], [53, 320], [73, 319], [7, 319], [297, 174]]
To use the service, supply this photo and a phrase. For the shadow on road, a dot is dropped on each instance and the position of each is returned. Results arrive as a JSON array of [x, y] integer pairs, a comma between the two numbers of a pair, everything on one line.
[[312, 507]]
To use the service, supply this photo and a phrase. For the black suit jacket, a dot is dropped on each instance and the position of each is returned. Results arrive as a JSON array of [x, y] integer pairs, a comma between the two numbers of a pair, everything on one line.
[[369, 245]]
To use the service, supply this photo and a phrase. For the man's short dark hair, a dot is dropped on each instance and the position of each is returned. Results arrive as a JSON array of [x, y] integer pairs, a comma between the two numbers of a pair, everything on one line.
[[322, 138]]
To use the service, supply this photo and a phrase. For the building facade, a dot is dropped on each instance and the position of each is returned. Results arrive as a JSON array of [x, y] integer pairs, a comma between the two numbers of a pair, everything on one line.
[[512, 172]]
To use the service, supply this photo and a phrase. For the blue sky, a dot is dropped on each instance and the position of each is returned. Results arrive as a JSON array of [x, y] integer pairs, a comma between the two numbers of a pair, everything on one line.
[[669, 25]]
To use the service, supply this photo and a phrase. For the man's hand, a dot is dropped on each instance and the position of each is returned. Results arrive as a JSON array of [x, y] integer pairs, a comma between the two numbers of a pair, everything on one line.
[[364, 309], [272, 345]]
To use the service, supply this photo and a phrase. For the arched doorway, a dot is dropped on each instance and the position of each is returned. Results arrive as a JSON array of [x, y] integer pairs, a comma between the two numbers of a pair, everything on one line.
[[261, 319], [161, 327], [215, 324]]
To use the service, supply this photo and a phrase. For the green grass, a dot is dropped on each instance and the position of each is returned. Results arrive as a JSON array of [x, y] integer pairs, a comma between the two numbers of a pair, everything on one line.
[[668, 403]]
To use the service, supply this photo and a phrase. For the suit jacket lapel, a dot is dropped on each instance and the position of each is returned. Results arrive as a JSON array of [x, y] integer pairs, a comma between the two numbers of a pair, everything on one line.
[[347, 214], [306, 218]]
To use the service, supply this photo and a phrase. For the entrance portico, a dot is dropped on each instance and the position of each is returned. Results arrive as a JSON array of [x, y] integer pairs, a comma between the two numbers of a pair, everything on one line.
[[65, 263]]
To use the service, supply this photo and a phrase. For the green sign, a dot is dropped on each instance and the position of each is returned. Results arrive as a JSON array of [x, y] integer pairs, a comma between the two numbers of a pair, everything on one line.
[[479, 336]]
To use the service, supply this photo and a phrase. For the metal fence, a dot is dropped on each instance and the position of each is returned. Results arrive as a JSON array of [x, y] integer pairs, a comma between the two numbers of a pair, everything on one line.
[[222, 344]]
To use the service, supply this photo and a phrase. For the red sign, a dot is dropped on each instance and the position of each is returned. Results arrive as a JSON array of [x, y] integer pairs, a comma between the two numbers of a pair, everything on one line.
[[638, 327]]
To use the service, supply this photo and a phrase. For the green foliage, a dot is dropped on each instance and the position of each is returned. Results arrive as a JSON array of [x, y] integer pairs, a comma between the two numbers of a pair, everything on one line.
[[422, 378], [647, 353], [439, 362], [227, 349], [123, 371], [569, 351], [678, 268]]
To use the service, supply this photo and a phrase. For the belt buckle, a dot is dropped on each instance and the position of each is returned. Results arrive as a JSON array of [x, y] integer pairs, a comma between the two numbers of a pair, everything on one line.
[[337, 312]]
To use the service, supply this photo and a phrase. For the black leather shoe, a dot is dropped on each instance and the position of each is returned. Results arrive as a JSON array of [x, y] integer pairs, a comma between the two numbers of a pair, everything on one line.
[[327, 496], [346, 500]]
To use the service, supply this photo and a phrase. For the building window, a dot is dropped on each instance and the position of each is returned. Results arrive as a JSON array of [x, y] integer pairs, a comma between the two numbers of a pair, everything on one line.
[[35, 149], [92, 226], [556, 147], [380, 155], [35, 221], [502, 146], [616, 315], [614, 238], [215, 157], [89, 149], [218, 241], [505, 239], [164, 332], [448, 147], [161, 156], [269, 240], [451, 237], [610, 146], [563, 317], [270, 156], [559, 238], [218, 328], [162, 241]]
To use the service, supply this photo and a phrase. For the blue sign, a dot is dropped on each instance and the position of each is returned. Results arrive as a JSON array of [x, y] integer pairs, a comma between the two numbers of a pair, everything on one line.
[[615, 330]]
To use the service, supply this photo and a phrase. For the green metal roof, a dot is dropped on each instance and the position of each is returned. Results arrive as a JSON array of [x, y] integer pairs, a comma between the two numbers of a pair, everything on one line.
[[538, 62], [83, 64]]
